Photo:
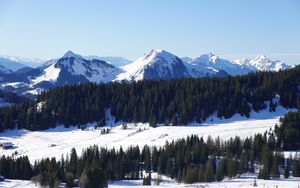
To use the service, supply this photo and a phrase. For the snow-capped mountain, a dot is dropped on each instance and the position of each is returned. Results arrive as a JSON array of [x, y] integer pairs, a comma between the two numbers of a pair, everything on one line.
[[157, 64], [210, 64], [262, 63], [114, 60], [69, 69], [72, 68]]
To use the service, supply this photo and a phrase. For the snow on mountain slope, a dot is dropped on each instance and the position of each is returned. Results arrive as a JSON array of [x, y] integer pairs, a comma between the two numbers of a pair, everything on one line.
[[113, 60], [73, 66], [157, 64], [262, 63], [205, 66], [213, 62]]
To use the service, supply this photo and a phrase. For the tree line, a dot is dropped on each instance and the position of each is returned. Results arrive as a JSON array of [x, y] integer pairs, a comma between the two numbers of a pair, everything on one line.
[[189, 160], [168, 102]]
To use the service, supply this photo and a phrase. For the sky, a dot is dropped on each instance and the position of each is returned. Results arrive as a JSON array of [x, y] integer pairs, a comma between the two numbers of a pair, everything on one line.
[[228, 28]]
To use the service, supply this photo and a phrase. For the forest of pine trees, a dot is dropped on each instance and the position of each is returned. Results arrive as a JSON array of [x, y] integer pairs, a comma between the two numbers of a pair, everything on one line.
[[169, 102], [187, 160]]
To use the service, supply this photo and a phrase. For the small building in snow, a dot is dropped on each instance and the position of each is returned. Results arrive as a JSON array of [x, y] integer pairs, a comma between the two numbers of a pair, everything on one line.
[[6, 145]]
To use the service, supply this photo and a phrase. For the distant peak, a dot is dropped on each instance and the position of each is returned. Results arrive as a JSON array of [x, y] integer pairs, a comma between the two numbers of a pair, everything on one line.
[[157, 50], [71, 54], [261, 56], [207, 57]]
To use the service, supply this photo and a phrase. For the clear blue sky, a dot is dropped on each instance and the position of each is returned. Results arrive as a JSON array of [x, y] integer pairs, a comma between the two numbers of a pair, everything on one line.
[[228, 28]]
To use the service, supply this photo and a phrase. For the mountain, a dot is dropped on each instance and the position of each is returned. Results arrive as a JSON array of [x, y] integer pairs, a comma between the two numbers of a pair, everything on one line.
[[10, 64], [157, 64], [22, 62], [4, 70], [114, 60], [262, 63], [69, 69], [212, 65], [72, 68], [208, 65]]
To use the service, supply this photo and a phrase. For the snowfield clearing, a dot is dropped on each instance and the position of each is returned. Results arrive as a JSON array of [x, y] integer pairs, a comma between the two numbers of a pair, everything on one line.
[[57, 141], [245, 181]]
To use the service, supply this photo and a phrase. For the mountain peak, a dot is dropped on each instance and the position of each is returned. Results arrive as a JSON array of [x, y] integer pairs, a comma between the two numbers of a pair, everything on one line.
[[261, 56], [71, 54]]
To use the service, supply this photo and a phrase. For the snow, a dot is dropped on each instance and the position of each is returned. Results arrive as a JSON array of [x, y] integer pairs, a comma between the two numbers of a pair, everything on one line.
[[18, 183], [135, 70], [245, 181], [35, 91], [14, 84], [37, 144], [50, 74]]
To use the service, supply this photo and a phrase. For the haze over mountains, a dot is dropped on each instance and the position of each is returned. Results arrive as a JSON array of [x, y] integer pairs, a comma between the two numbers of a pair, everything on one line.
[[72, 68]]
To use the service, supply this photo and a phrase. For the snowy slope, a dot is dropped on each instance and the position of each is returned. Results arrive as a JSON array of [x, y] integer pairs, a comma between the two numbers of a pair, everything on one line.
[[157, 64], [245, 181], [73, 66], [37, 144], [18, 184], [210, 64], [262, 63]]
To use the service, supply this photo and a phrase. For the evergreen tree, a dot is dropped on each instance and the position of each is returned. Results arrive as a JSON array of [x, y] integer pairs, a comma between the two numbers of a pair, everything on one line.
[[209, 175]]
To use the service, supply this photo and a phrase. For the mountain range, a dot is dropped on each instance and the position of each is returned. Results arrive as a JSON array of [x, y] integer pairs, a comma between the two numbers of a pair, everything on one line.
[[158, 64]]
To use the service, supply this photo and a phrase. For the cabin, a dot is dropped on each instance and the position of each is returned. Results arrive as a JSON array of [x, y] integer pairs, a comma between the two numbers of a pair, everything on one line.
[[6, 145]]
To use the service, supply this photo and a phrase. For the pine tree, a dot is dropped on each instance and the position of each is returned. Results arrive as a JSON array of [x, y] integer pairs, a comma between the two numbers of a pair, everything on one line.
[[209, 171], [221, 170], [296, 167], [286, 172], [264, 172], [274, 169]]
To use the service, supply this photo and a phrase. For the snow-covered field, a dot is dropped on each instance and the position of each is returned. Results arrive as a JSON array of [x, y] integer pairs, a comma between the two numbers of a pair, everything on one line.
[[60, 140], [18, 183], [245, 181]]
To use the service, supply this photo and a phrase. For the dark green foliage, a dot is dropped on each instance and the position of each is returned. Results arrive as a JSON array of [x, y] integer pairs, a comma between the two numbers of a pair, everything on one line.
[[286, 172], [266, 163], [288, 133], [221, 170], [296, 167], [275, 167], [209, 175], [147, 180], [177, 102], [187, 160], [95, 178]]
